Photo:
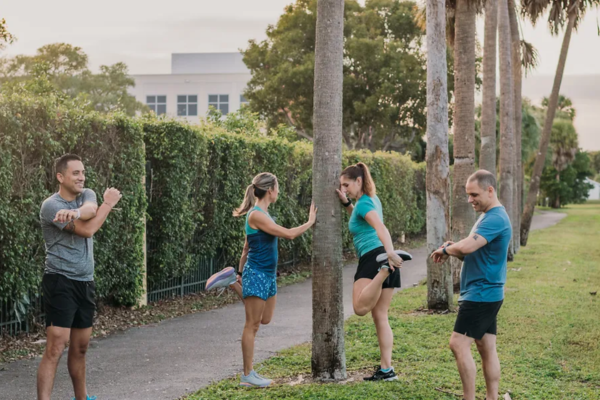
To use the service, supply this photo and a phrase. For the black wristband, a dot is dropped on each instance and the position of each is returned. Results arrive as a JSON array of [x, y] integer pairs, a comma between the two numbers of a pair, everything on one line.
[[347, 204], [444, 250], [238, 272]]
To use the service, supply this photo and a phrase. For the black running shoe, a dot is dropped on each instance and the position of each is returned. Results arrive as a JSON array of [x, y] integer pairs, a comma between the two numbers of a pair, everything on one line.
[[379, 375]]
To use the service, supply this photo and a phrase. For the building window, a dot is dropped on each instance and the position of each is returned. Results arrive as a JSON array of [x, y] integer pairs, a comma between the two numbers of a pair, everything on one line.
[[187, 106], [219, 102], [158, 104], [243, 100]]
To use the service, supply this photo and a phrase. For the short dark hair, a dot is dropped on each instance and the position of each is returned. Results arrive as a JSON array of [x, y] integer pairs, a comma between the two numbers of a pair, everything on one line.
[[61, 163], [484, 179]]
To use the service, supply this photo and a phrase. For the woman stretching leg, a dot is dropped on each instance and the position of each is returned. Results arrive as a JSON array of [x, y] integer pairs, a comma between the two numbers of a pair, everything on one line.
[[258, 265], [373, 285]]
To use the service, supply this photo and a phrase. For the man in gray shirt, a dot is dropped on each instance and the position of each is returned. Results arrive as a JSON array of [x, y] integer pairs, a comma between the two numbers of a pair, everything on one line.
[[69, 220]]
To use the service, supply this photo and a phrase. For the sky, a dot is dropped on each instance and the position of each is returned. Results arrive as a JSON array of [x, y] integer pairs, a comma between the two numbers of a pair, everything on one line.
[[143, 34]]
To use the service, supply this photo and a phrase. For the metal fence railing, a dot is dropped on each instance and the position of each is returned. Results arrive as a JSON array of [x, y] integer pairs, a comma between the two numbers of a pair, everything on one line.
[[195, 280], [15, 318], [192, 282]]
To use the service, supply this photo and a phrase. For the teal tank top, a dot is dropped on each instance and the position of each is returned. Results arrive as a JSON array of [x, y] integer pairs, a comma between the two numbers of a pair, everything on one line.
[[262, 254]]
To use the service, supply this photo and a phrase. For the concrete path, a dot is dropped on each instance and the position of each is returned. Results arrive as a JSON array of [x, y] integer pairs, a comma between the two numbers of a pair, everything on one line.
[[178, 356]]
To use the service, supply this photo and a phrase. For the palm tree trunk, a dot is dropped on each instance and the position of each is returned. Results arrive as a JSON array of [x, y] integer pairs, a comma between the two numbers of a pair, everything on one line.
[[439, 278], [487, 155], [540, 159], [506, 115], [557, 199], [517, 75], [463, 216], [328, 356]]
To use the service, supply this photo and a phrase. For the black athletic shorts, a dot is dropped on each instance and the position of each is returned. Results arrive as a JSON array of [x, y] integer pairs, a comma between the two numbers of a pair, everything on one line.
[[476, 318], [68, 303], [368, 267]]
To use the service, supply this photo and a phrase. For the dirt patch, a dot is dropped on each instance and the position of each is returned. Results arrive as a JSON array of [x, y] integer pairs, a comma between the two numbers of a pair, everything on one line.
[[419, 312], [307, 379]]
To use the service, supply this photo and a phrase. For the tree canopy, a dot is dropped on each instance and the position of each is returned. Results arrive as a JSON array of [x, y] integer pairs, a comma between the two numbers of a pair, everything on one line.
[[66, 67], [384, 74]]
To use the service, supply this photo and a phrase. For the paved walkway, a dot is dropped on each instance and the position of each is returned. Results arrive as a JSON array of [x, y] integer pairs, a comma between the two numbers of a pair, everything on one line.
[[177, 356]]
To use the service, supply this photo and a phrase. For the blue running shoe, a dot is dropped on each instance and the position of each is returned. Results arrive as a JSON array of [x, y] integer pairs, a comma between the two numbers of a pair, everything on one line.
[[89, 397], [221, 279]]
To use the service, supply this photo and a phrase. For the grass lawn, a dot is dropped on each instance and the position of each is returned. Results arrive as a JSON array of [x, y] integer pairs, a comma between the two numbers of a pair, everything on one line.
[[548, 339]]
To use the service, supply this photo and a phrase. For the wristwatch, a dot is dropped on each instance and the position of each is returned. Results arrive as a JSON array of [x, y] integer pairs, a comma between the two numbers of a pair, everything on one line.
[[347, 204], [444, 250]]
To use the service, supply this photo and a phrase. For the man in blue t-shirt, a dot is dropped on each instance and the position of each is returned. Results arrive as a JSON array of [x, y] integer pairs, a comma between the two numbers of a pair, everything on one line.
[[484, 255]]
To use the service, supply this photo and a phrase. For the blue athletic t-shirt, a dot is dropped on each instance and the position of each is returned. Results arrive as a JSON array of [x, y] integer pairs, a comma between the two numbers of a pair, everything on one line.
[[483, 272], [364, 235], [262, 253]]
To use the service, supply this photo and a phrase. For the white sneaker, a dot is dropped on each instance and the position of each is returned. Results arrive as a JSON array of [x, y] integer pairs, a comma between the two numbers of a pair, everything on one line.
[[254, 380]]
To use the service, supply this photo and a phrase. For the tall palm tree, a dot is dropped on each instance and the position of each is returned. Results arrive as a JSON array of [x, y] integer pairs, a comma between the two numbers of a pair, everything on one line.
[[439, 278], [564, 144], [517, 75], [561, 11], [328, 356], [487, 154], [463, 215], [506, 115]]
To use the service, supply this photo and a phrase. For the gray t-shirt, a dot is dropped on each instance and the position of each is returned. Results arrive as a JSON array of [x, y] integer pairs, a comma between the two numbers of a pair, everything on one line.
[[66, 253]]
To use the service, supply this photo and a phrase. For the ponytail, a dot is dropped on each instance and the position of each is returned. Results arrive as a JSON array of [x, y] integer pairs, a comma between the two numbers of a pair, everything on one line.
[[257, 189], [248, 202], [368, 186], [360, 170]]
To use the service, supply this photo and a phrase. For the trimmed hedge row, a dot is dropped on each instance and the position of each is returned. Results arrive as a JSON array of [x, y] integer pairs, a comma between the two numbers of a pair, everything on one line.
[[195, 178], [34, 131]]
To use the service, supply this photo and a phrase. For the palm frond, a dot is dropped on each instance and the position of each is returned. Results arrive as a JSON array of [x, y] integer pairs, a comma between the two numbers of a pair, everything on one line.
[[529, 57]]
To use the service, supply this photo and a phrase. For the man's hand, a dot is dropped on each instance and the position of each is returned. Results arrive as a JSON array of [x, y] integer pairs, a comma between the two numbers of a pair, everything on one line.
[[112, 197], [64, 216], [439, 256], [446, 244]]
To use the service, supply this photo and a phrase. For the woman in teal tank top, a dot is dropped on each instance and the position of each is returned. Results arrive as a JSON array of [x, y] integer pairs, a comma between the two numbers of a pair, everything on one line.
[[373, 285], [258, 264]]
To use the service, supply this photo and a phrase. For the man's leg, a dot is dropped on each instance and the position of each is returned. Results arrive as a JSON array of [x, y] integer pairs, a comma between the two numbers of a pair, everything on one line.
[[80, 340], [461, 347], [56, 340], [490, 363]]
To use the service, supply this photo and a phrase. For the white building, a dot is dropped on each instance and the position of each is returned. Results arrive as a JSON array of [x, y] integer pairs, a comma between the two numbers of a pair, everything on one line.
[[594, 193], [196, 81]]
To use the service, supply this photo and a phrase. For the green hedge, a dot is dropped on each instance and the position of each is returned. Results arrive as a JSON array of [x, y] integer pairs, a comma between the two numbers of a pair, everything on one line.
[[195, 178], [35, 130], [198, 176]]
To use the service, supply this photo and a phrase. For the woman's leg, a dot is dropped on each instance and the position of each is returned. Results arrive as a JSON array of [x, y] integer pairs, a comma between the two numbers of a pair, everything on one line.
[[269, 310], [255, 307], [237, 288], [366, 292], [385, 335]]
